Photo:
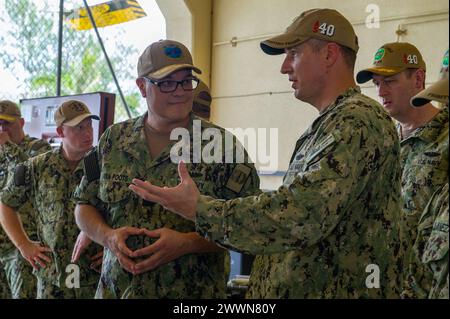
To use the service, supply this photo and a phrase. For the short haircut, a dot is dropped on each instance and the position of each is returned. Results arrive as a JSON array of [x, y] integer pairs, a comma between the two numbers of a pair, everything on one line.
[[348, 54], [410, 72]]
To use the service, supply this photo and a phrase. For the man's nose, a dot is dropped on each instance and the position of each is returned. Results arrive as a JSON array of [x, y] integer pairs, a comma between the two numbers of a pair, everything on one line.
[[382, 89], [285, 66]]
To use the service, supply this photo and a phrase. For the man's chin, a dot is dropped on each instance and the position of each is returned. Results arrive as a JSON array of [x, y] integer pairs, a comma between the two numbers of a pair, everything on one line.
[[300, 97], [179, 116]]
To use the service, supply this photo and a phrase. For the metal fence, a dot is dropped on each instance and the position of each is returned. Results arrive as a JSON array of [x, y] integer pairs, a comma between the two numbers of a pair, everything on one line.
[[29, 33]]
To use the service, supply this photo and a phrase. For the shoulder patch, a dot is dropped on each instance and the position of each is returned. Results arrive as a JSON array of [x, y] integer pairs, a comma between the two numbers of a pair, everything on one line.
[[320, 148], [238, 178], [19, 175]]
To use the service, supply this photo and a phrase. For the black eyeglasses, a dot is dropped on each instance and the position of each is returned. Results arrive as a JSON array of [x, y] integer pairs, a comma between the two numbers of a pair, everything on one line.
[[168, 86]]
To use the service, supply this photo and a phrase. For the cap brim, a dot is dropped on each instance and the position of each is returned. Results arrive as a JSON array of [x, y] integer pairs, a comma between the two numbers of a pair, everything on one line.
[[277, 45], [77, 120], [367, 74], [168, 70], [8, 118], [436, 92]]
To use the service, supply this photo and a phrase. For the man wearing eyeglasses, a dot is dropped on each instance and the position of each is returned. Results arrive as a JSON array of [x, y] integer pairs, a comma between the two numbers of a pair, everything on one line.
[[151, 253]]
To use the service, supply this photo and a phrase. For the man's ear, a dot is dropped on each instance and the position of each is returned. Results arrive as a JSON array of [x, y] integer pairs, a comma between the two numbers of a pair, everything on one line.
[[419, 76], [333, 52], [60, 131], [140, 82], [21, 122]]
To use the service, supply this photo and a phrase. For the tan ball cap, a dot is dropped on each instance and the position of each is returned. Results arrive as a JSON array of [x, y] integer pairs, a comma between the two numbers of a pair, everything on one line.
[[322, 24], [164, 57], [202, 101], [72, 113], [393, 58], [9, 111], [436, 92]]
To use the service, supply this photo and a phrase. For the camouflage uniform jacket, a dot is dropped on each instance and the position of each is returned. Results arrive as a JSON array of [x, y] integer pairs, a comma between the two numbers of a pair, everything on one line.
[[11, 155], [123, 155], [424, 160], [336, 213], [48, 186], [428, 268]]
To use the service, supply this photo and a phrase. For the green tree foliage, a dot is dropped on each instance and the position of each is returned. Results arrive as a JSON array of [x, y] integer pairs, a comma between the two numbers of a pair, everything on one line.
[[32, 44]]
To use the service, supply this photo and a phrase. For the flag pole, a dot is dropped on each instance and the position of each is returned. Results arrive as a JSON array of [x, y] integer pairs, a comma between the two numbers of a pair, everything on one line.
[[91, 17]]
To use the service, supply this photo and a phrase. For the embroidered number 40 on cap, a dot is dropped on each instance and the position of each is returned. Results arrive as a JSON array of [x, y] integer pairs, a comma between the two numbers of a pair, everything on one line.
[[412, 59], [324, 28], [327, 29]]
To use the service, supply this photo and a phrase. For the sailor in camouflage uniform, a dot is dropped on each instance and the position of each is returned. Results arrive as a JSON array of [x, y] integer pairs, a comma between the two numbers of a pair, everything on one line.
[[398, 73], [151, 253], [433, 232], [331, 229], [47, 182], [16, 147], [428, 264]]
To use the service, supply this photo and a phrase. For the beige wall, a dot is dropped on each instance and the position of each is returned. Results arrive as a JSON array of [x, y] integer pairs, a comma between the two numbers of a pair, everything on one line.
[[201, 11], [178, 21], [248, 90], [190, 22]]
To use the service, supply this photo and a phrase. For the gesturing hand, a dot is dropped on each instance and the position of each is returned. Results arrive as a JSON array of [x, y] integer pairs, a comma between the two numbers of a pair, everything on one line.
[[181, 199]]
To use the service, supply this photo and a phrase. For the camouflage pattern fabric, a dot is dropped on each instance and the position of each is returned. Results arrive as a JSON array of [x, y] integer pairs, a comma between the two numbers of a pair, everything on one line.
[[5, 291], [48, 187], [428, 268], [17, 270], [424, 160], [22, 281], [336, 214], [123, 155]]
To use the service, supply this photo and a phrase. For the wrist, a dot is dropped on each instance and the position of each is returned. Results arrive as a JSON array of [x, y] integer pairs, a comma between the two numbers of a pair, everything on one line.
[[108, 238], [23, 245], [191, 243]]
